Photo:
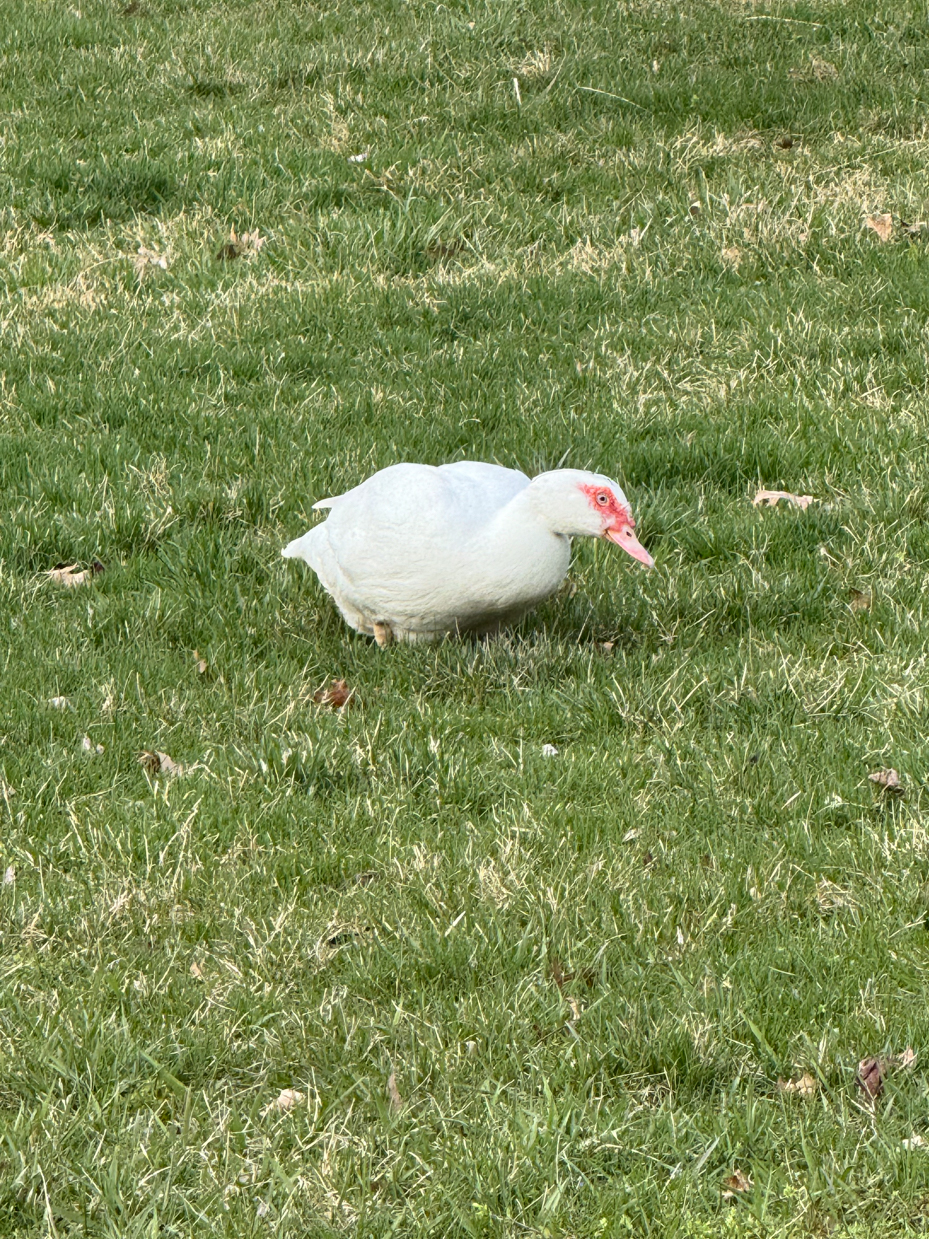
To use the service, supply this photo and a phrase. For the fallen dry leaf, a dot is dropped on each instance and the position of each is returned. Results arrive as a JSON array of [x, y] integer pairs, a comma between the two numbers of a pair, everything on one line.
[[196, 971], [607, 646], [69, 575], [561, 978], [346, 934], [860, 599], [805, 1086], [870, 1078], [247, 243], [830, 896], [440, 250], [872, 1072], [148, 258], [817, 71], [160, 763], [338, 695], [738, 1181], [286, 1099], [771, 498], [732, 256], [882, 225], [888, 781], [393, 1092], [822, 70]]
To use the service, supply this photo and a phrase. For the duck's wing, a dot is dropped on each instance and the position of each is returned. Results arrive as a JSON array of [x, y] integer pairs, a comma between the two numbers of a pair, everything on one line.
[[483, 488]]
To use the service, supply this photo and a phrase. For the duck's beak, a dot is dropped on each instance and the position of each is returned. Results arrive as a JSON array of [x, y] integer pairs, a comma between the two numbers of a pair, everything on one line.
[[624, 537]]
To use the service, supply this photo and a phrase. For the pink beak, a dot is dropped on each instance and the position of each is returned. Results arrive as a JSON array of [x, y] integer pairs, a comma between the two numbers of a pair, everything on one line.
[[624, 537]]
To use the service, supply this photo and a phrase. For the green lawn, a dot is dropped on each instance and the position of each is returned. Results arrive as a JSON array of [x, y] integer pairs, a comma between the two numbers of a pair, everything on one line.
[[518, 994]]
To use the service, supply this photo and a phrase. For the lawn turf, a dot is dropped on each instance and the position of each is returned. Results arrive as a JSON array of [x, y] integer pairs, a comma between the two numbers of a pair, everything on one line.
[[518, 994]]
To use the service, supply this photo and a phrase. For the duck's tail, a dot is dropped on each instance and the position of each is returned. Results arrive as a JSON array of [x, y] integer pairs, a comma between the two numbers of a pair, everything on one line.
[[299, 548]]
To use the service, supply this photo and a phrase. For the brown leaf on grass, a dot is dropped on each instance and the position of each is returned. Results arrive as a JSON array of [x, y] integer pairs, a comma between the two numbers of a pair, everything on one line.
[[822, 70], [366, 878], [737, 1182], [860, 599], [286, 1099], [870, 1078], [196, 971], [732, 256], [345, 934], [393, 1093], [816, 71], [561, 978], [440, 250], [805, 1086], [771, 498], [70, 575], [338, 695], [872, 1072], [160, 763], [246, 243], [888, 781], [607, 646], [144, 258], [881, 225]]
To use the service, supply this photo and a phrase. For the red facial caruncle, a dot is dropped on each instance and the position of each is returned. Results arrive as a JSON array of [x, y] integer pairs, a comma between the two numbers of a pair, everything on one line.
[[618, 524]]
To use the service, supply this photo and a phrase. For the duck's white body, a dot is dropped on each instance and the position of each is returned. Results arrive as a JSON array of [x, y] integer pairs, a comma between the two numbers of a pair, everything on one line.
[[417, 552]]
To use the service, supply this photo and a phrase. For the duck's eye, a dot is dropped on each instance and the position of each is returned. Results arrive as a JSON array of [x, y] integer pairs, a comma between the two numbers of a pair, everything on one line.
[[602, 500]]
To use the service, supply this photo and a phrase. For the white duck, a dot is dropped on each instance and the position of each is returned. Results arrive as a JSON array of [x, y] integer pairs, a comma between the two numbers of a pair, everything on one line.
[[417, 552]]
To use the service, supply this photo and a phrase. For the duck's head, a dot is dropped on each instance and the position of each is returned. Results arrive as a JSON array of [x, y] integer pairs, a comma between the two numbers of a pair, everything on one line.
[[579, 504]]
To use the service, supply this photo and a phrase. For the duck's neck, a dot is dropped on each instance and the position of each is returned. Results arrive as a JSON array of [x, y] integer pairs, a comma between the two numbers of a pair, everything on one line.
[[528, 512]]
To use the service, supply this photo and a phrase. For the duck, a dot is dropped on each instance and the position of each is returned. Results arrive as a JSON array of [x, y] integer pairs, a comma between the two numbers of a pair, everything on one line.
[[420, 552]]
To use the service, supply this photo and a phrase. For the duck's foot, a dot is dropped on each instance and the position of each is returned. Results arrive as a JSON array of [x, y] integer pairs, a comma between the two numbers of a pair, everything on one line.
[[383, 635]]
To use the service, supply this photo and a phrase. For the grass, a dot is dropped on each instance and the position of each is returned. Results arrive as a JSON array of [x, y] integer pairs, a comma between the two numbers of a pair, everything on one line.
[[519, 994]]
